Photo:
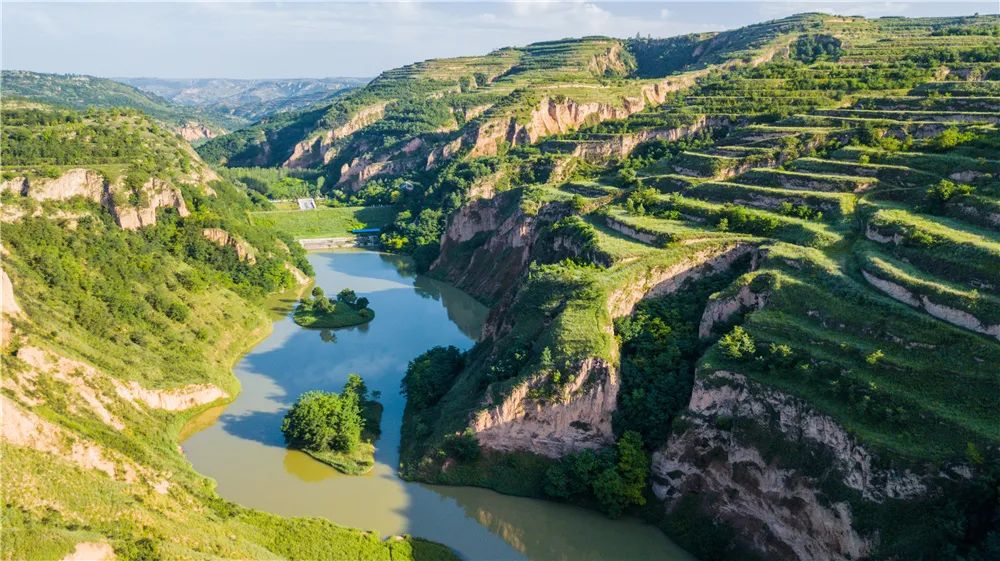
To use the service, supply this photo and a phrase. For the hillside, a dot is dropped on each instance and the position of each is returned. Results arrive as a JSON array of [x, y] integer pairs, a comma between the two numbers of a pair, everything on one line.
[[780, 284], [81, 92], [132, 280], [421, 115], [247, 100]]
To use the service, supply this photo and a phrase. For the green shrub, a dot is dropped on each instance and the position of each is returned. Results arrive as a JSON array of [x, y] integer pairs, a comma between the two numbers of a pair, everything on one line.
[[737, 344]]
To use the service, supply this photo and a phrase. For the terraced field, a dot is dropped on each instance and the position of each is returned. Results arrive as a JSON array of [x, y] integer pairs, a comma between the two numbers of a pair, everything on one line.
[[846, 211]]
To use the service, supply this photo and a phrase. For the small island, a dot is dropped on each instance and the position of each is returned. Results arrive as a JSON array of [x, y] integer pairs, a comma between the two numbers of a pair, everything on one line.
[[321, 312], [339, 430]]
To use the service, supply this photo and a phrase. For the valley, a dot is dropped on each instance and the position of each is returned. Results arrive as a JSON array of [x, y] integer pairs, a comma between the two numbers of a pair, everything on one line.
[[721, 296]]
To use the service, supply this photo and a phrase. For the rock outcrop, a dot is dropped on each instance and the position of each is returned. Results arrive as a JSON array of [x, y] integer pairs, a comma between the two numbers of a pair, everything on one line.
[[579, 418], [319, 150], [93, 186], [954, 316], [488, 245], [193, 131], [777, 510], [721, 310], [222, 238], [23, 428], [660, 281], [8, 309]]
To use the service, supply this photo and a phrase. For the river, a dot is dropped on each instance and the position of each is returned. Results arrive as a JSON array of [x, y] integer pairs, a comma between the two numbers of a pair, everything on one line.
[[241, 445]]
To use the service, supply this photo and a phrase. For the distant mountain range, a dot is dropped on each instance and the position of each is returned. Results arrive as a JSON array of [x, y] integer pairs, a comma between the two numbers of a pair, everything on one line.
[[198, 109], [249, 100]]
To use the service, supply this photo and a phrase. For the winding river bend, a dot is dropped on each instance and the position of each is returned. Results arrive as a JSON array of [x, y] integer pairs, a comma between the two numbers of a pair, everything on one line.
[[241, 445]]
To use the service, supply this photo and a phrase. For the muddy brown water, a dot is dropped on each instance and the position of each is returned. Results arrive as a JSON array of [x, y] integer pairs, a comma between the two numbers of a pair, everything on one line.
[[241, 446]]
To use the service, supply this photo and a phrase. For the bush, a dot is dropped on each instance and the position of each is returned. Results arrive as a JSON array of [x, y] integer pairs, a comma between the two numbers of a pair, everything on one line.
[[463, 447], [429, 376], [737, 344], [615, 478]]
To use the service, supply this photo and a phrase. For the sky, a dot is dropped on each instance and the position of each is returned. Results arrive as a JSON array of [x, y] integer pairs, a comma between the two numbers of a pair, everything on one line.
[[300, 39]]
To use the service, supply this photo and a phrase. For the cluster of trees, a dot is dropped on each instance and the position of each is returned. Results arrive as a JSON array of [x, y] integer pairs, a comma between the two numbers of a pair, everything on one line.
[[276, 183], [417, 229], [58, 137], [94, 270], [326, 421], [810, 48], [993, 30], [321, 303], [429, 376], [659, 350], [614, 478], [933, 56], [944, 191]]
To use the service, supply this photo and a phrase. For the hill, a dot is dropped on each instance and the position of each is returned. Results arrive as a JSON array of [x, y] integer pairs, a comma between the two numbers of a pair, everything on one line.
[[780, 281], [80, 92], [132, 280], [247, 100]]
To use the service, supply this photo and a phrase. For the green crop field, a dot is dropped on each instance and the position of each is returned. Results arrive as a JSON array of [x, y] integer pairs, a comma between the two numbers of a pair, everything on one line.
[[325, 222]]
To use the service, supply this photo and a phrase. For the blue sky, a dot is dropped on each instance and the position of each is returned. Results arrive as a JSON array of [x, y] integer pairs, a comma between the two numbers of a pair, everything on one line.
[[314, 39]]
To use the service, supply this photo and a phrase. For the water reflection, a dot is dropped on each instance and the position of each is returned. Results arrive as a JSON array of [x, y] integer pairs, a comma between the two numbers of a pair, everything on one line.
[[242, 448]]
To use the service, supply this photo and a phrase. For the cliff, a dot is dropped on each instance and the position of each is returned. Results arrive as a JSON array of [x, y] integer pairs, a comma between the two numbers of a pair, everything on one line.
[[776, 507], [94, 186]]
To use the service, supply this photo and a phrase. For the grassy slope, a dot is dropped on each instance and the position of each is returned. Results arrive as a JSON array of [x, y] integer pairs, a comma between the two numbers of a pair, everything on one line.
[[83, 92]]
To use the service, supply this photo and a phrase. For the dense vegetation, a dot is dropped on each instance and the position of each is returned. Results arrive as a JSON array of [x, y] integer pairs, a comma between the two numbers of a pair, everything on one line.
[[337, 429]]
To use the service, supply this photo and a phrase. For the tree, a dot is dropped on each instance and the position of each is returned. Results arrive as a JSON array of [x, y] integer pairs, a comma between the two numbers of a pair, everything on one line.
[[347, 296], [323, 304], [737, 343], [317, 292], [362, 303], [356, 385]]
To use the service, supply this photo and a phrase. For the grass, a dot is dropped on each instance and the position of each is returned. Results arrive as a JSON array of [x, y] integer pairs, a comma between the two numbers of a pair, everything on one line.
[[343, 315], [325, 222]]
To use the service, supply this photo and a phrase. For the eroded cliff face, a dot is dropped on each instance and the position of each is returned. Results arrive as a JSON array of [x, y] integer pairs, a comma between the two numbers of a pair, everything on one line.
[[222, 238], [954, 316], [319, 150], [93, 186], [489, 244], [720, 310], [660, 281], [193, 131], [776, 509], [577, 418], [492, 235]]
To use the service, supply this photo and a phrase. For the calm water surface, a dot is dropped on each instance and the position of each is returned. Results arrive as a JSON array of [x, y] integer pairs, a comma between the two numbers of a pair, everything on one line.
[[241, 445]]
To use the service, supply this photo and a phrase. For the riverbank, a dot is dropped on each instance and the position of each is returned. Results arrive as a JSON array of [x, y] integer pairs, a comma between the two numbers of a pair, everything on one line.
[[477, 523]]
